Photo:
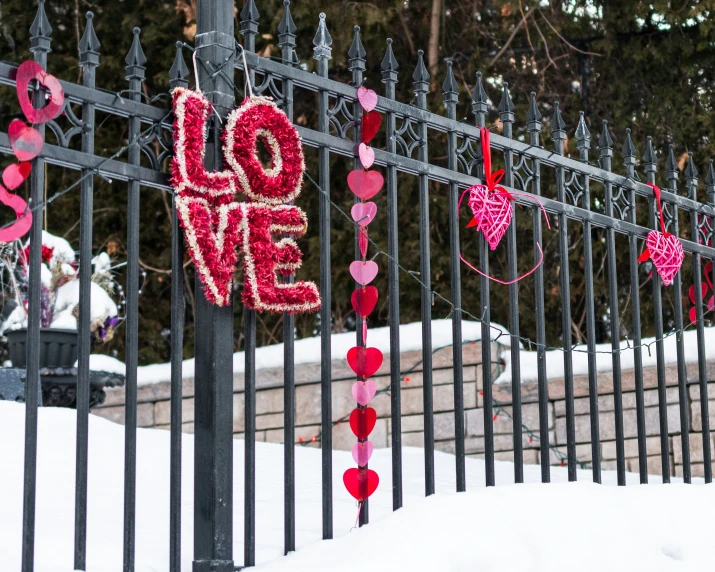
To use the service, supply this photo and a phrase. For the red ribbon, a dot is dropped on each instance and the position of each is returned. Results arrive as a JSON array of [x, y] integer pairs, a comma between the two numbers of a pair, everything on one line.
[[656, 189], [492, 179]]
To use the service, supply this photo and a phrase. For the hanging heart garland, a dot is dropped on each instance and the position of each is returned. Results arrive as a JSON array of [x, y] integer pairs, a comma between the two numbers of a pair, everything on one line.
[[662, 247], [491, 207], [27, 142], [363, 360]]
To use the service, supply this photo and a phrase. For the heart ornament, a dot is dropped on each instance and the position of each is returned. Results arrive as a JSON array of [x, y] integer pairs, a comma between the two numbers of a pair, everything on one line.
[[364, 391], [26, 141], [492, 213], [360, 483], [14, 175], [363, 272], [364, 300], [367, 155], [365, 184], [367, 98], [362, 453], [364, 361], [362, 421], [370, 125], [29, 71], [667, 254], [363, 213]]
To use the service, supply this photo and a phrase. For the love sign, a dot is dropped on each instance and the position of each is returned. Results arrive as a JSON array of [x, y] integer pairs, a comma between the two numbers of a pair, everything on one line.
[[217, 225]]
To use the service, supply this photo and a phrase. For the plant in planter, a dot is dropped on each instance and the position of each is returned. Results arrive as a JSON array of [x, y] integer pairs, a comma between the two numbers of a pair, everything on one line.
[[59, 296]]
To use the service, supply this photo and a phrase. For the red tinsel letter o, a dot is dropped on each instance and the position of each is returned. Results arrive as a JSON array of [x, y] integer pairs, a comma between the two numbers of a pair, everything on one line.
[[264, 258]]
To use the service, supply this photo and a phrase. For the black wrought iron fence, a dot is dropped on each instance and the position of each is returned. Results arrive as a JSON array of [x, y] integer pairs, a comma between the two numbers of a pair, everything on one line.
[[572, 191]]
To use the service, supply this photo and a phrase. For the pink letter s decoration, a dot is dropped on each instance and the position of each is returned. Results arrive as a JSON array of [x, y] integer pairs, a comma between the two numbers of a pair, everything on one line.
[[216, 223]]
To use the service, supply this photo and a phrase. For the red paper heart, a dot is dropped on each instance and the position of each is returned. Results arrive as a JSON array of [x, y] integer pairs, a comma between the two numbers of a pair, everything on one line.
[[691, 291], [361, 483], [365, 184], [26, 142], [362, 421], [364, 300], [28, 71], [14, 175], [667, 254], [362, 241], [692, 314], [370, 125], [364, 361], [492, 213], [708, 271], [24, 216]]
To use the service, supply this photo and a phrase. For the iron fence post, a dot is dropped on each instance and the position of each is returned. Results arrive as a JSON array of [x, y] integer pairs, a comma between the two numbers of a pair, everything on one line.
[[213, 414]]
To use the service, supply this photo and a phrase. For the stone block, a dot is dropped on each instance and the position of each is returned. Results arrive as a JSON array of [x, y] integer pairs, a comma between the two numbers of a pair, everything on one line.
[[145, 414], [630, 447], [239, 412], [412, 423], [269, 421], [444, 426], [413, 439], [696, 418], [269, 401], [162, 411], [303, 435], [695, 441], [474, 422]]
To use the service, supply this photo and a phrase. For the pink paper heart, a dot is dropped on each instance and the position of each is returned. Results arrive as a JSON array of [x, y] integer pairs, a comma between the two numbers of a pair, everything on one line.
[[367, 155], [26, 142], [23, 215], [667, 254], [492, 213], [367, 98], [364, 213], [363, 272], [28, 71], [364, 331], [362, 453], [364, 391], [14, 175], [365, 184]]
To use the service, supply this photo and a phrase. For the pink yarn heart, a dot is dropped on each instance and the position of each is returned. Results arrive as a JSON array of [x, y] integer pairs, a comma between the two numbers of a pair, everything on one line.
[[367, 155], [492, 213], [362, 453], [364, 391], [367, 98], [667, 254], [363, 272], [364, 213]]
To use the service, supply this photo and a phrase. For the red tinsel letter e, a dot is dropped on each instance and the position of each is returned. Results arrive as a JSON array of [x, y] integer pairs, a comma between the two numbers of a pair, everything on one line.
[[216, 223], [663, 248]]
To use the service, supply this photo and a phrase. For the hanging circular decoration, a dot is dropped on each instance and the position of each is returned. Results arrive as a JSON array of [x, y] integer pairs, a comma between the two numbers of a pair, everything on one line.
[[258, 119], [32, 71]]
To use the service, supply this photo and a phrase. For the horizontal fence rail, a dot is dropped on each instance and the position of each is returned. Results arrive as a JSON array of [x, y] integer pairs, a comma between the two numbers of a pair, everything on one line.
[[580, 197]]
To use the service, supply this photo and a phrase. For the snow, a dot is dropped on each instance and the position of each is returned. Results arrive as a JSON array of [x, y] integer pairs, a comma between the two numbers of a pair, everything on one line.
[[101, 304], [532, 527], [604, 360], [307, 350]]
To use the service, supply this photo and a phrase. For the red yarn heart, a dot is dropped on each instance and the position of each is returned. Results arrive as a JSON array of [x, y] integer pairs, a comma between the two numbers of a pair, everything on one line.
[[28, 71], [14, 175], [492, 213], [364, 361], [361, 483], [365, 184], [24, 216], [370, 125], [364, 300], [667, 254], [26, 142], [362, 421]]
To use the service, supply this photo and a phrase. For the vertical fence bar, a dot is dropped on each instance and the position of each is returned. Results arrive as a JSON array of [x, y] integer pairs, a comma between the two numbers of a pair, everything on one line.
[[249, 30], [704, 409], [558, 134], [213, 401], [506, 114], [135, 75], [650, 169], [178, 75], [322, 55], [629, 153], [89, 60], [583, 143], [389, 69], [672, 177], [479, 109], [420, 82], [450, 96], [286, 41], [533, 126], [691, 183], [39, 45]]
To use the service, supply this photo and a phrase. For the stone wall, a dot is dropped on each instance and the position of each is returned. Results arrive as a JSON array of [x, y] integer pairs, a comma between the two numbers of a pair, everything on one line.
[[153, 410]]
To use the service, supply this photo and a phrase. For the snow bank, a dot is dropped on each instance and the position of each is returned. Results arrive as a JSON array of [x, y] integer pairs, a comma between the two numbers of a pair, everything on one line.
[[307, 350], [604, 361], [507, 528]]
